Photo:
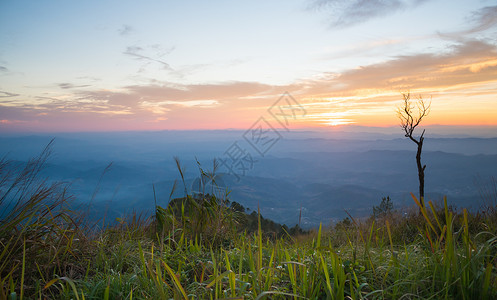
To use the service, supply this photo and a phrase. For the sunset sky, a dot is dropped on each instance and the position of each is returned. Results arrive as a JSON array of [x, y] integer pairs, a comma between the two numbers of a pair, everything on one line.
[[155, 65]]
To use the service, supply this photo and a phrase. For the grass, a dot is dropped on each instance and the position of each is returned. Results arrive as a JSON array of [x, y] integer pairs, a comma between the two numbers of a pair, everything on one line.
[[198, 249]]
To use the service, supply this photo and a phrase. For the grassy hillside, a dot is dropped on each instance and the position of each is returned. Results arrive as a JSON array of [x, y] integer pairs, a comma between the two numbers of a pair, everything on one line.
[[204, 247]]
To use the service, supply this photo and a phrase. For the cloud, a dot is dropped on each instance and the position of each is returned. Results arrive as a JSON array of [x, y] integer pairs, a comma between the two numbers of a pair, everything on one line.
[[478, 21], [166, 97], [345, 13], [66, 85], [218, 91], [368, 88], [370, 92], [3, 69], [161, 106], [335, 98], [122, 99], [7, 94], [466, 63], [484, 19], [137, 53], [125, 30]]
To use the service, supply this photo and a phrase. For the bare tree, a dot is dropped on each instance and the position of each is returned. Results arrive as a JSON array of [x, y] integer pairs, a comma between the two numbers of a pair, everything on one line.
[[410, 116]]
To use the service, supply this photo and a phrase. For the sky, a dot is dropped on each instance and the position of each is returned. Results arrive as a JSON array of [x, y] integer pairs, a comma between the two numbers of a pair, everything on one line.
[[168, 65]]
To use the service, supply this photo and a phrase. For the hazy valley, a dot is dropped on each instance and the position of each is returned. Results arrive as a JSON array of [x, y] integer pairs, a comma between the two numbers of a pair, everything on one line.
[[317, 175]]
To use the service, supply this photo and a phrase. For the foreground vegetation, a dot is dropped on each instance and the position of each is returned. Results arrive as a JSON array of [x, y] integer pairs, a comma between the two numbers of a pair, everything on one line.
[[204, 248]]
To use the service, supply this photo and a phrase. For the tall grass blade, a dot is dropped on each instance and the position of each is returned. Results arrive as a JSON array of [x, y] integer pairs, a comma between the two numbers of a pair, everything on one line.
[[23, 268], [175, 279]]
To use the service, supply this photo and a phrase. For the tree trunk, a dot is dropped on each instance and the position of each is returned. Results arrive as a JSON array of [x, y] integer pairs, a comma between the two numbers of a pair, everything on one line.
[[421, 172]]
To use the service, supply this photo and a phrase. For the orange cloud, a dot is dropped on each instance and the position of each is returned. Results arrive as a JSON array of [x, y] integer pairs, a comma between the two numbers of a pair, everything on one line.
[[461, 82], [368, 95]]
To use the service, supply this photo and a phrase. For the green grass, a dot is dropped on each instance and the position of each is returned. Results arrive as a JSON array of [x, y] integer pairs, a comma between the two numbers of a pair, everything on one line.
[[198, 249]]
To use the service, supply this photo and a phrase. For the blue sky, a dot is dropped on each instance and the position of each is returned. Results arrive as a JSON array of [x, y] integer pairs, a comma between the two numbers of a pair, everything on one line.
[[124, 65]]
